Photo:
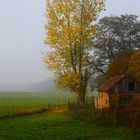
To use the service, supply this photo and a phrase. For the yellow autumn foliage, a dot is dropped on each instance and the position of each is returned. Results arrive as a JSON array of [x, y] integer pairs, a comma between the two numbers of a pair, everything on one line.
[[69, 32], [71, 80]]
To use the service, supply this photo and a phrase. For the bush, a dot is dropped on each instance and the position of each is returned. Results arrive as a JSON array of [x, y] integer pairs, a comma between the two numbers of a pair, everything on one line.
[[95, 116]]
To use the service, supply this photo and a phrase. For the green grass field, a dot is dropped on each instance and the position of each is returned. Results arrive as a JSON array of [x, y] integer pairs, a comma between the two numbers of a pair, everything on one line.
[[51, 126], [57, 127], [11, 103]]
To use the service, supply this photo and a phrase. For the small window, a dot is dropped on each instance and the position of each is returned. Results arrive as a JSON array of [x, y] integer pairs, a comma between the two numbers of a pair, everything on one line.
[[106, 102], [131, 86]]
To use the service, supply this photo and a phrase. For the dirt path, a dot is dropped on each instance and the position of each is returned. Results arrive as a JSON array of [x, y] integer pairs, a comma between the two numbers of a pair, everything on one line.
[[58, 110]]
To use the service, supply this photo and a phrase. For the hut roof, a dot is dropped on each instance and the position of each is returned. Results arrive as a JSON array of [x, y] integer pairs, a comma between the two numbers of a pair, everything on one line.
[[110, 83]]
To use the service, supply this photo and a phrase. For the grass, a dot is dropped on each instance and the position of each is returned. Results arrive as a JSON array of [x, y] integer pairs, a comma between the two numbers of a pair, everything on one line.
[[53, 126], [58, 127], [12, 103]]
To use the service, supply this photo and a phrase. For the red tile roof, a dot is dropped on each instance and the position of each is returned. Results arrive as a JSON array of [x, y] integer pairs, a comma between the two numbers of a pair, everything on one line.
[[110, 83]]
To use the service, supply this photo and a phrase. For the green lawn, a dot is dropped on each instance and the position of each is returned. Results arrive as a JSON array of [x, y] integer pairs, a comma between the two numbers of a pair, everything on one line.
[[58, 127]]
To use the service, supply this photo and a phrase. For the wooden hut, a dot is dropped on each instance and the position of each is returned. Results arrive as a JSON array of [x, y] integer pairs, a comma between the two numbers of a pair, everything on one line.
[[118, 91]]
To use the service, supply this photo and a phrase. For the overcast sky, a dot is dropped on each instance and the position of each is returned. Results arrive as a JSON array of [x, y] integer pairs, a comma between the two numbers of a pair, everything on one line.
[[22, 34]]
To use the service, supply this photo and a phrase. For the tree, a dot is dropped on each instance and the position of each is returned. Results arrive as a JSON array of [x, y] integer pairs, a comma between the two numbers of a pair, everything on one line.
[[134, 65], [69, 31], [114, 35], [119, 65]]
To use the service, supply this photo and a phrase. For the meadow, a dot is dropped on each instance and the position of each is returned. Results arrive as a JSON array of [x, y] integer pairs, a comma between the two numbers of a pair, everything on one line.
[[16, 103], [58, 127], [51, 125]]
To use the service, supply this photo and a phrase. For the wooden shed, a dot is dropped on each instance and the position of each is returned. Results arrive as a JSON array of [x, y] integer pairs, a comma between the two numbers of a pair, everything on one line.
[[119, 90]]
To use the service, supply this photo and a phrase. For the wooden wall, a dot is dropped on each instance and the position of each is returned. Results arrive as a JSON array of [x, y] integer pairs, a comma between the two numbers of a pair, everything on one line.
[[122, 87], [103, 100]]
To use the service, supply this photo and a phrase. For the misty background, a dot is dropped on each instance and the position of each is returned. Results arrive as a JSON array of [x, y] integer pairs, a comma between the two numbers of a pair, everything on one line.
[[21, 42]]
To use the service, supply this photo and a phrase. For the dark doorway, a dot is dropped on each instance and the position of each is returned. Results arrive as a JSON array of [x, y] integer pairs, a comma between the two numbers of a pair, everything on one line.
[[131, 86]]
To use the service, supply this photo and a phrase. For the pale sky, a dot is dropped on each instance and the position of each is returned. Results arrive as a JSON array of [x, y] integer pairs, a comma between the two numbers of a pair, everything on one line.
[[22, 34]]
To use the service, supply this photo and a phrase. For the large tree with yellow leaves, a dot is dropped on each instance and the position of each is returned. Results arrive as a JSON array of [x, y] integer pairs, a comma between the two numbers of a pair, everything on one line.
[[69, 32]]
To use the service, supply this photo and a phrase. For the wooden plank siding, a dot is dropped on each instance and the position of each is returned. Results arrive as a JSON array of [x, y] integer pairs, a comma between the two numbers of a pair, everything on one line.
[[103, 100], [119, 91], [123, 86], [136, 100]]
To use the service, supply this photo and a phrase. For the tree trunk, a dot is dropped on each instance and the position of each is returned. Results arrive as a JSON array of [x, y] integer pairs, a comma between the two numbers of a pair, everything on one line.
[[83, 90], [81, 99]]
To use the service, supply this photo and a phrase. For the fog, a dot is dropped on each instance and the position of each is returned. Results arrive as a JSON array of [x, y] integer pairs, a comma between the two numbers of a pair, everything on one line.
[[21, 42]]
